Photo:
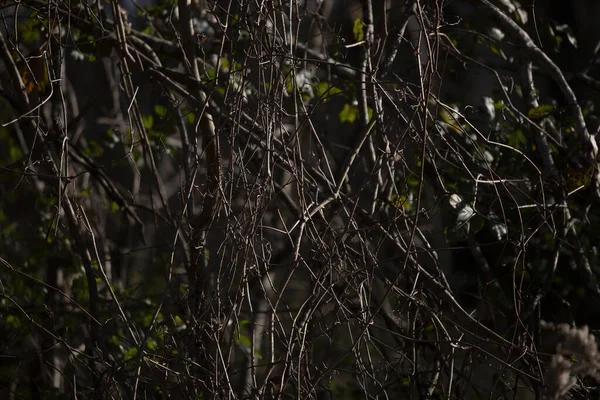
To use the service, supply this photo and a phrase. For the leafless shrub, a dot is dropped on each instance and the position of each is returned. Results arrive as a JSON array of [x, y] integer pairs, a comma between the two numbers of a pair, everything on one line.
[[302, 199]]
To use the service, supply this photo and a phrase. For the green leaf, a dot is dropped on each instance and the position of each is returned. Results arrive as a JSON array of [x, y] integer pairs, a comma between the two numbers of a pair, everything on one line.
[[243, 323], [151, 343], [211, 73], [348, 114], [224, 64], [190, 117], [325, 90], [451, 121], [15, 153], [29, 31], [160, 110], [131, 353], [358, 30], [412, 181], [149, 30], [517, 139], [242, 340], [94, 149], [496, 50], [541, 111], [177, 319], [401, 201], [148, 121], [115, 340], [13, 321], [155, 136]]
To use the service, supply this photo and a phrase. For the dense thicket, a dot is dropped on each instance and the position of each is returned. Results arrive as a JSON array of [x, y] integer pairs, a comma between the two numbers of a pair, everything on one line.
[[318, 199]]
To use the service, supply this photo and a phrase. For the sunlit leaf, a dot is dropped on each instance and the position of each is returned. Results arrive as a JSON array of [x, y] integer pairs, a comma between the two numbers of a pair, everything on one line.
[[540, 111], [160, 110], [130, 353], [358, 30], [148, 121], [348, 114], [326, 90]]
